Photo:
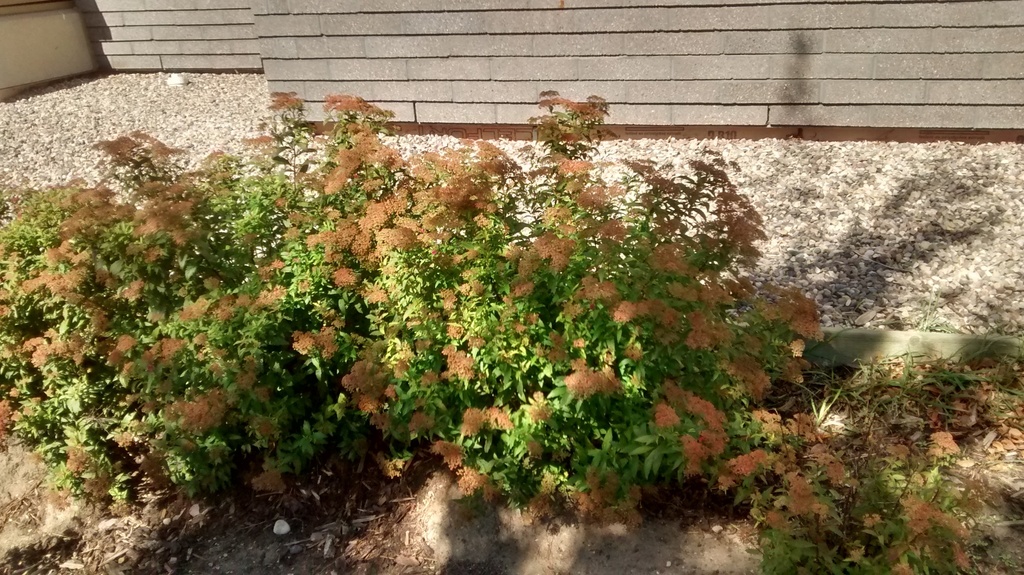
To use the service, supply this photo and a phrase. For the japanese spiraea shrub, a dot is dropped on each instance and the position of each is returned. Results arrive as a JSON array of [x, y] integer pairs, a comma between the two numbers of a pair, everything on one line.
[[545, 330]]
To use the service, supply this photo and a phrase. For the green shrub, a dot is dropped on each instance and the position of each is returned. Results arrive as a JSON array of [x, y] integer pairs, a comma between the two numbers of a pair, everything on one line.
[[863, 504], [547, 333]]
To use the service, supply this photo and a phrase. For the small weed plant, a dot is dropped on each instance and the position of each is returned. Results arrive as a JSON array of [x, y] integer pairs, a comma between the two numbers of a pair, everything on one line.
[[550, 335]]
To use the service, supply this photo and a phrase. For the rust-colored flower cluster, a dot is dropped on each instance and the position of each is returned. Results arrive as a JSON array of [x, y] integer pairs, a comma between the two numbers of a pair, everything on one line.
[[741, 466], [706, 333], [460, 363], [474, 420], [323, 342], [749, 371], [604, 503], [712, 439], [201, 414], [585, 382], [451, 453], [367, 382], [796, 309]]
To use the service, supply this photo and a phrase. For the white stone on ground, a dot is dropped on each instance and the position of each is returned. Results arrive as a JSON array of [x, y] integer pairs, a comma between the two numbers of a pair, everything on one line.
[[47, 135], [910, 236]]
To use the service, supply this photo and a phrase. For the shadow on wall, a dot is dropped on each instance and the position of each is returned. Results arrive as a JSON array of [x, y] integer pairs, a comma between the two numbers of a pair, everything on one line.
[[97, 29], [799, 88]]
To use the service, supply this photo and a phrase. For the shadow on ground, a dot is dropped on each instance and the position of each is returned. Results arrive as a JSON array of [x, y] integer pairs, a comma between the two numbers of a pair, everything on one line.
[[373, 525]]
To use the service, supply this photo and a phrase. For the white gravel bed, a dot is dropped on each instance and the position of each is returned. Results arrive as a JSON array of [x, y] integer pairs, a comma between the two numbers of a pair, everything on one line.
[[47, 135], [909, 236]]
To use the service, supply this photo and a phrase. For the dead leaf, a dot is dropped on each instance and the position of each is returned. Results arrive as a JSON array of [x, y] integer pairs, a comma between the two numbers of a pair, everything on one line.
[[992, 435], [74, 565], [407, 561]]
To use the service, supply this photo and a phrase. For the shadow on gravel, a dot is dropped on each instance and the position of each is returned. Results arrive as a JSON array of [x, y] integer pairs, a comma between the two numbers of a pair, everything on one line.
[[57, 86], [862, 273]]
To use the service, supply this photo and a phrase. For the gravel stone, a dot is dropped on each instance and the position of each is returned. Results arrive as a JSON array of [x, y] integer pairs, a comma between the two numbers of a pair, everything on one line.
[[899, 235], [47, 135]]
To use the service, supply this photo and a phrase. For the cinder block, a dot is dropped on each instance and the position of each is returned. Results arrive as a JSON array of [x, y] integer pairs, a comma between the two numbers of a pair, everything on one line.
[[112, 48], [320, 90], [115, 5], [818, 115], [278, 7], [872, 92], [359, 24], [226, 32], [950, 14], [262, 7], [625, 68], [433, 22], [153, 47], [445, 46], [125, 63], [177, 32], [769, 92], [286, 86], [330, 47], [715, 115], [517, 113], [529, 92], [271, 26], [999, 66], [129, 34], [382, 90], [362, 69], [534, 68], [999, 117], [578, 44], [404, 111], [773, 42], [881, 40], [822, 66], [296, 69], [353, 6], [188, 18], [929, 66], [427, 91], [230, 32], [448, 68], [211, 62], [629, 114], [274, 48], [199, 4], [100, 20], [816, 15], [923, 116], [984, 40], [887, 116], [217, 47], [670, 92], [450, 113], [978, 92], [656, 43], [721, 67]]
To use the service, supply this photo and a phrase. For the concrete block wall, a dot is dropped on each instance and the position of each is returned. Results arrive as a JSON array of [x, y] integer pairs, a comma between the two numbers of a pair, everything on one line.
[[898, 64], [143, 35]]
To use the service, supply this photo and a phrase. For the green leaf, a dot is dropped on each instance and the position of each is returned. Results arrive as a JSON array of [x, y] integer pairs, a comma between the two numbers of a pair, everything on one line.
[[606, 442], [641, 450]]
